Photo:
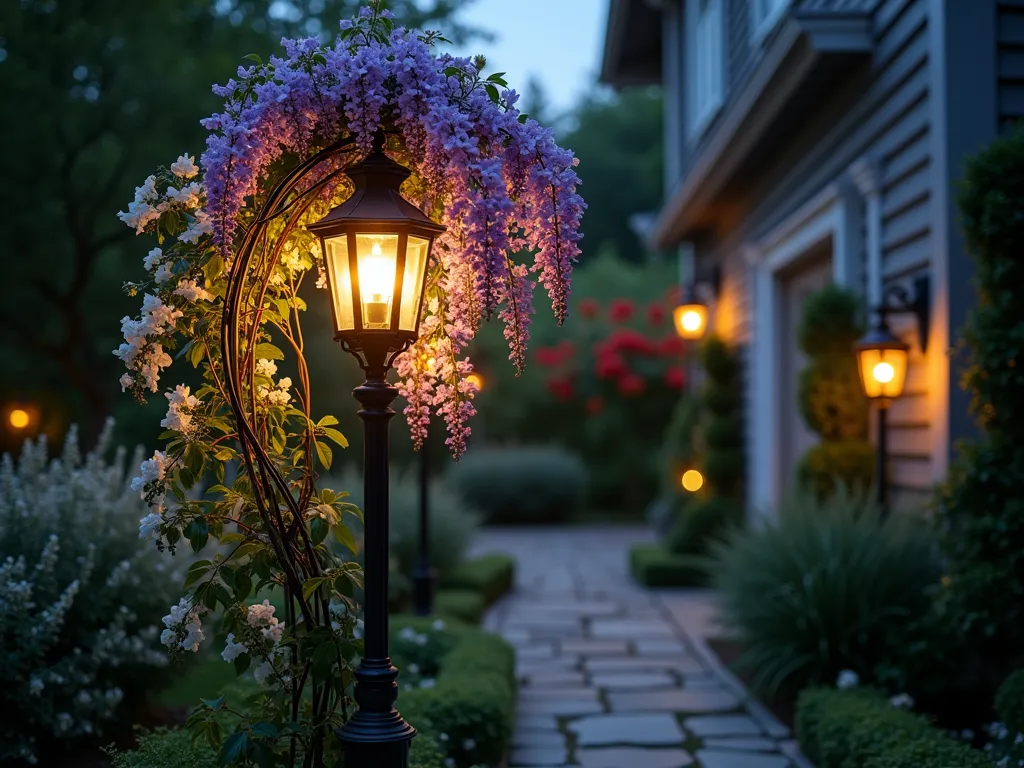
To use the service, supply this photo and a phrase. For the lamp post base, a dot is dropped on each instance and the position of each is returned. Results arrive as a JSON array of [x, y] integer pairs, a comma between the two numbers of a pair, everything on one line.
[[376, 740]]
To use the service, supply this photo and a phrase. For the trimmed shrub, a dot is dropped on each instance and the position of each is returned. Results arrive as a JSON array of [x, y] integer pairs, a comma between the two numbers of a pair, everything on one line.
[[1009, 702], [654, 566], [466, 605], [521, 485], [861, 729], [720, 429], [472, 701], [982, 510], [167, 748], [701, 522], [821, 589], [80, 599], [830, 396], [491, 575]]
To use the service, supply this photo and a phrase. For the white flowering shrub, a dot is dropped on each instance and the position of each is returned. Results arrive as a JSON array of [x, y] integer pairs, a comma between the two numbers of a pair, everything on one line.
[[80, 599]]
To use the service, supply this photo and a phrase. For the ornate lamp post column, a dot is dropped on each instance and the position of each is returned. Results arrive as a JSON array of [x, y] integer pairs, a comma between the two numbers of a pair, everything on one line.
[[376, 246]]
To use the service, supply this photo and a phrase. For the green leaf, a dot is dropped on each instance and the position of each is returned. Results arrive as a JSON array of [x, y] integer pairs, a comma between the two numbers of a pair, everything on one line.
[[323, 452], [318, 530], [323, 659], [492, 91], [196, 354], [234, 747], [214, 703], [327, 421], [345, 537], [453, 71], [224, 453], [197, 533], [336, 436], [197, 571], [343, 584], [267, 351], [253, 57], [186, 478], [265, 729], [312, 585], [243, 585], [242, 662]]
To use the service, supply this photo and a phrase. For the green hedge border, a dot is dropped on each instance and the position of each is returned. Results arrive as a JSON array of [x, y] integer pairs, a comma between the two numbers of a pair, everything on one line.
[[861, 729], [492, 575], [652, 565]]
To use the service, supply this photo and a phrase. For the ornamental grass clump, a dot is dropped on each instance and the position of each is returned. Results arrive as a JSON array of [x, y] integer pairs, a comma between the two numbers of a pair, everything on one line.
[[823, 588], [80, 600]]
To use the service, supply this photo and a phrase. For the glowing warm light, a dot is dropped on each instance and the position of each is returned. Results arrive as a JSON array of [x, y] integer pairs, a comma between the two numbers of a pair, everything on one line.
[[476, 380], [19, 418], [690, 320], [883, 373], [377, 282], [692, 480]]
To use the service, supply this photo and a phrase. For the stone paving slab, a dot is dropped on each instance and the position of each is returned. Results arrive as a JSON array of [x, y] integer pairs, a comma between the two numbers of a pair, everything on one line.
[[674, 700], [722, 725], [560, 707], [620, 757], [531, 756], [749, 744], [537, 693], [634, 729], [632, 630], [589, 647], [659, 647], [713, 759], [538, 738], [554, 679], [632, 681], [686, 665]]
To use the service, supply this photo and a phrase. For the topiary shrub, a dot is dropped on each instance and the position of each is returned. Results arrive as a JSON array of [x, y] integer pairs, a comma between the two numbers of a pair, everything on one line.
[[821, 589], [167, 748], [982, 507], [703, 521], [80, 600], [491, 575], [654, 566], [830, 396], [521, 485], [721, 432]]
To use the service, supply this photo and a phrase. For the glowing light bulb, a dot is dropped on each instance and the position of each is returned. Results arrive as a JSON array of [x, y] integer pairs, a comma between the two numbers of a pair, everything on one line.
[[476, 380], [691, 321], [19, 418], [377, 283], [883, 372], [692, 480]]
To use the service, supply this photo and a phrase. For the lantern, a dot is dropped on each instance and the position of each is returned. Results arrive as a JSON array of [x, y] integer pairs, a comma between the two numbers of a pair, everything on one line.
[[376, 246], [691, 320], [882, 363]]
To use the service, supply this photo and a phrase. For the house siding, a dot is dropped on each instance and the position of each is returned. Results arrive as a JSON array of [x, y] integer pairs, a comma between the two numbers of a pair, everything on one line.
[[1010, 61], [885, 116]]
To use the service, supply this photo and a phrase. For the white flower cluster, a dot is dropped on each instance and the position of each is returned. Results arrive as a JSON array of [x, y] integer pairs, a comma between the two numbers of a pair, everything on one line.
[[148, 203], [151, 474], [181, 406], [185, 167], [275, 394], [146, 207], [902, 701], [264, 635], [184, 627], [192, 291], [142, 354], [847, 679], [74, 521]]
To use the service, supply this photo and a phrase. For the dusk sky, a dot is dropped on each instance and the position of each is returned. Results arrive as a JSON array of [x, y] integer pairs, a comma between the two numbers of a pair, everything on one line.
[[558, 41]]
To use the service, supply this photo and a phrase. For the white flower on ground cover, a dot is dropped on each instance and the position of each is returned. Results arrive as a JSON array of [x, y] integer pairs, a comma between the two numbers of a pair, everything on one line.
[[847, 679], [902, 701]]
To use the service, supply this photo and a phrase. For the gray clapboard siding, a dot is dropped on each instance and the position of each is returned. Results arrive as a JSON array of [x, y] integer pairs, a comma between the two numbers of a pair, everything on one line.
[[1010, 61]]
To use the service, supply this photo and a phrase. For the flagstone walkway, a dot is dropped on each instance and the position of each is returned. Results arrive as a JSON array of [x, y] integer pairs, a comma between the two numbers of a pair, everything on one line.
[[615, 676]]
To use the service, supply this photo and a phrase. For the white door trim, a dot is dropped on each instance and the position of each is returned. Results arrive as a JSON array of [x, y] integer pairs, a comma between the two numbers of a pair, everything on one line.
[[833, 213]]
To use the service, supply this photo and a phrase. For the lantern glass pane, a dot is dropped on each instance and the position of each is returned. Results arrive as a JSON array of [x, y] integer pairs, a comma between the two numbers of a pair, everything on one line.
[[336, 251], [412, 282], [691, 320], [883, 372], [377, 258]]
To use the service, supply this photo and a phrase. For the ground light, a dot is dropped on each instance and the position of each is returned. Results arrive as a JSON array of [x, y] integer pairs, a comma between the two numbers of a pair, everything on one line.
[[376, 246], [692, 480]]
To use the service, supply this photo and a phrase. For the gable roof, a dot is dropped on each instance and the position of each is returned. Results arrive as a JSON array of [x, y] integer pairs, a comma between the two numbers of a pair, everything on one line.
[[632, 43]]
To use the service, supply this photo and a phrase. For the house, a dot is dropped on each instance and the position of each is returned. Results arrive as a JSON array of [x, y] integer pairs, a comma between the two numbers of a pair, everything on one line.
[[809, 141]]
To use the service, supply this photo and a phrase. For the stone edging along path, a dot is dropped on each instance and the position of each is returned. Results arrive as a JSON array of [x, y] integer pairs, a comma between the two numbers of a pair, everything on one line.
[[610, 674]]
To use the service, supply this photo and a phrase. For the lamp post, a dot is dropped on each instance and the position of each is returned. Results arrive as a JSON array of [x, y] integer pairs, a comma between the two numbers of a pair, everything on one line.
[[882, 364], [376, 246]]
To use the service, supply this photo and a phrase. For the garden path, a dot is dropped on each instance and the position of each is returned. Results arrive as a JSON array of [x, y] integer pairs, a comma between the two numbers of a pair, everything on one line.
[[616, 676]]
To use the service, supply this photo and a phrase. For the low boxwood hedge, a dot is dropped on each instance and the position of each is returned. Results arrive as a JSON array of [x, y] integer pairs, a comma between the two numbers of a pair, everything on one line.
[[652, 565], [466, 605], [492, 575], [861, 729]]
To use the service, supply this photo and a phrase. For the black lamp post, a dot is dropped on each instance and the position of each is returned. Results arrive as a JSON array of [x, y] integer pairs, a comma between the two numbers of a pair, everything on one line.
[[882, 363], [376, 246]]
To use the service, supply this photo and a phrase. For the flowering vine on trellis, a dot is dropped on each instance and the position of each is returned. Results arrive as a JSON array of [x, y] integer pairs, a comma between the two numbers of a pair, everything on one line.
[[222, 292]]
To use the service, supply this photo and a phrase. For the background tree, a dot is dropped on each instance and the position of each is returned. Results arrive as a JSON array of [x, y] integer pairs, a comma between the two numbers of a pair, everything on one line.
[[104, 91]]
